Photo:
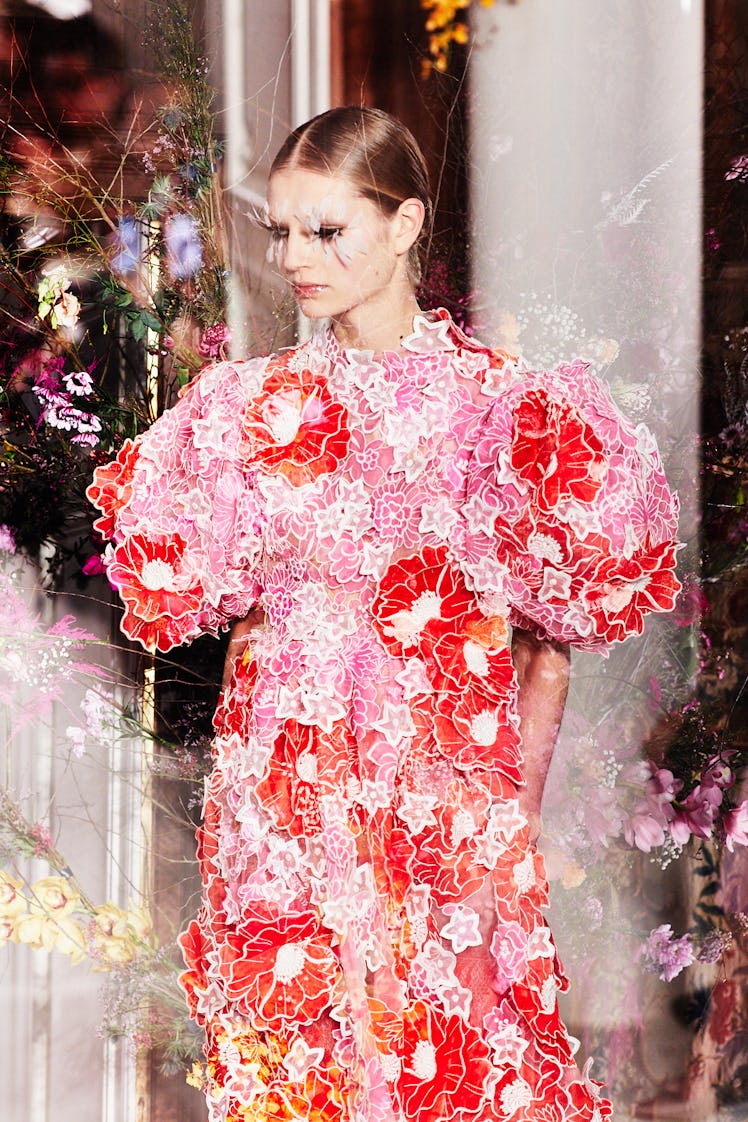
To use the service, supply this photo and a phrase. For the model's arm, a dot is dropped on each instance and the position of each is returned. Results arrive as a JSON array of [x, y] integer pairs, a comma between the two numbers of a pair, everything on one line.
[[543, 674]]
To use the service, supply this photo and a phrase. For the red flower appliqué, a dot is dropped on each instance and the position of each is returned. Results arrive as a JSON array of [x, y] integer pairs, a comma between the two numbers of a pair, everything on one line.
[[294, 427], [474, 731], [624, 590], [421, 598], [556, 451], [195, 947], [445, 1065], [279, 968], [445, 857], [111, 488], [161, 591], [305, 761]]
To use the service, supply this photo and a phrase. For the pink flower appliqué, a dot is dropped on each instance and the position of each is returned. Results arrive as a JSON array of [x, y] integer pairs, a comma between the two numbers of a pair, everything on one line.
[[509, 949]]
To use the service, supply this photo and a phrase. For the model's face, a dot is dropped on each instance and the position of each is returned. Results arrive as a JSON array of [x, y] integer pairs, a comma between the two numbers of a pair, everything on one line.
[[337, 249]]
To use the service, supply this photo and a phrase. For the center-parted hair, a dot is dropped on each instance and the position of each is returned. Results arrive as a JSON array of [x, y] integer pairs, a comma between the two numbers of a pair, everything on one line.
[[373, 151]]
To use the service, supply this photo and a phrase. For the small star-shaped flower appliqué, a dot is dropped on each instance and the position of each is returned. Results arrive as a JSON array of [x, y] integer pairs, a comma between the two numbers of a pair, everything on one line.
[[209, 432], [211, 1000], [245, 1084], [395, 724], [480, 515], [414, 679], [463, 929], [300, 1058], [429, 335], [456, 999], [417, 811], [540, 943], [506, 819], [438, 518], [488, 849]]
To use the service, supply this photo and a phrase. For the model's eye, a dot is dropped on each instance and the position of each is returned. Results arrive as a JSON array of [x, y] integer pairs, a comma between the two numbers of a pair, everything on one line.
[[329, 233], [277, 233]]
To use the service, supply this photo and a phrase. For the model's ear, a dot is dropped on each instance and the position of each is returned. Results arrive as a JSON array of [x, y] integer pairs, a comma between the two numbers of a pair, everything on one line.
[[408, 224]]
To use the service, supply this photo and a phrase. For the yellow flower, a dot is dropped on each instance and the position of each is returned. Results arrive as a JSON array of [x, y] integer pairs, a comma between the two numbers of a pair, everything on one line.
[[139, 922], [573, 875], [195, 1078], [8, 929], [70, 940], [445, 27], [111, 937], [12, 902], [53, 896], [52, 932], [66, 311]]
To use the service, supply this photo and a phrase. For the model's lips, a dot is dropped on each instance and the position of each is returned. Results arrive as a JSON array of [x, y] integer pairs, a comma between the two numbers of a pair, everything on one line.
[[306, 291]]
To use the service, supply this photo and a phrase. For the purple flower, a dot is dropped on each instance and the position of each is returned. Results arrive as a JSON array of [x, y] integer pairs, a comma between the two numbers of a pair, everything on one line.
[[664, 955], [59, 413], [718, 772], [127, 242], [79, 383], [738, 169], [735, 825], [7, 541], [184, 251], [213, 339], [696, 814], [644, 831], [94, 566], [691, 603], [712, 947], [664, 783]]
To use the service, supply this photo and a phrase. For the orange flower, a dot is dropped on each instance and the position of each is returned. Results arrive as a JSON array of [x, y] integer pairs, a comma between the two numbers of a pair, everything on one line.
[[445, 1065], [304, 762], [445, 857], [421, 598], [474, 731]]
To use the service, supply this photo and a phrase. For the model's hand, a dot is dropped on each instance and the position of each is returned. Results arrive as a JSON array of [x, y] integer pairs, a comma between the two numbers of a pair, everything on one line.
[[543, 674], [238, 642]]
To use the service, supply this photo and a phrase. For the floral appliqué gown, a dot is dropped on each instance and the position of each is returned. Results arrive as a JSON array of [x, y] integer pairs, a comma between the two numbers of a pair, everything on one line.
[[371, 945]]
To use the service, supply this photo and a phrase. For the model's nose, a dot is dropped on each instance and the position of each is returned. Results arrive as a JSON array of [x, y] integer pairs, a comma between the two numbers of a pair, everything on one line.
[[295, 251]]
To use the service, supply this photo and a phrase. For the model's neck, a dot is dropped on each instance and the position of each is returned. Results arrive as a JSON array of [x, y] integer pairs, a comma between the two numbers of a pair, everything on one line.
[[377, 328]]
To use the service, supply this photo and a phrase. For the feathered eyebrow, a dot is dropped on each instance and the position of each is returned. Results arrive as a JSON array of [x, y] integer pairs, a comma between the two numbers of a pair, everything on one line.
[[262, 217]]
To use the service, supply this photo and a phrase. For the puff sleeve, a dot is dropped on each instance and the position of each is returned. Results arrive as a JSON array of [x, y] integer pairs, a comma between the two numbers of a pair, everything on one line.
[[180, 510], [584, 520]]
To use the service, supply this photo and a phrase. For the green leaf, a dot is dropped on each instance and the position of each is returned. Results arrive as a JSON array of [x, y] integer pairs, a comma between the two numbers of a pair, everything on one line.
[[161, 186], [150, 320]]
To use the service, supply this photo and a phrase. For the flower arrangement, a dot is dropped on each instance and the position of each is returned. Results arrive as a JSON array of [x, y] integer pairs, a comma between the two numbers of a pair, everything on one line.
[[39, 667], [446, 26], [110, 299]]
